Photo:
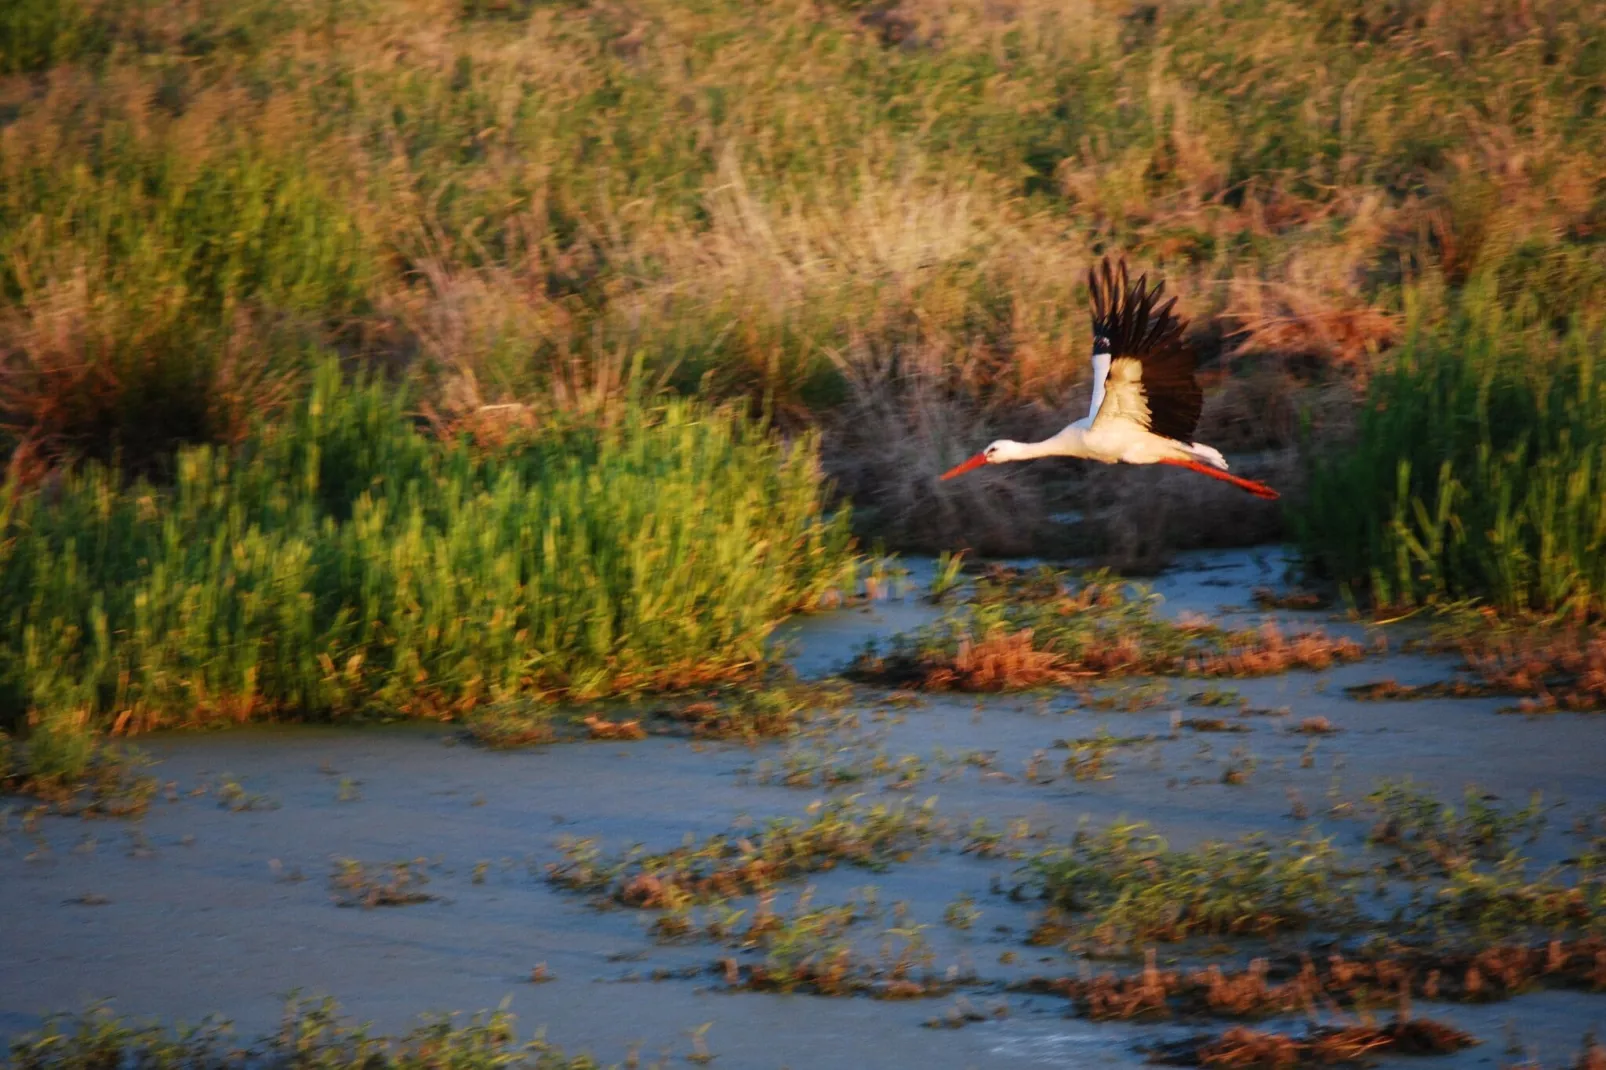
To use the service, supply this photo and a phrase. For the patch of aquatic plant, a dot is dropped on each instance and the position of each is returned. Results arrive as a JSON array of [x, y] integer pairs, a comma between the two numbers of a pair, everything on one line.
[[312, 1034], [1242, 1048], [808, 948], [1393, 691], [1212, 724], [829, 762], [1125, 885], [1126, 696], [812, 956], [948, 576], [1550, 664], [987, 841], [822, 764], [390, 884], [964, 1013], [1478, 466], [804, 925], [997, 584], [507, 723], [1505, 902], [1562, 670], [1469, 882], [341, 562], [759, 925], [1302, 982], [1218, 696], [1413, 821], [1294, 598], [842, 751], [232, 796], [1089, 757], [74, 771], [779, 706], [1065, 630], [836, 832]]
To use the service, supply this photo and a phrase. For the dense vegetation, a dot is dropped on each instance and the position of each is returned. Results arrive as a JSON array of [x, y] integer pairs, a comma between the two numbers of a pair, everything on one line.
[[340, 562], [537, 218], [1478, 469]]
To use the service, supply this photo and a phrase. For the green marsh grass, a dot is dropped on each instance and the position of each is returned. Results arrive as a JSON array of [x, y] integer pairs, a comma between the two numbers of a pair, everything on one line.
[[340, 563], [864, 217], [1478, 468]]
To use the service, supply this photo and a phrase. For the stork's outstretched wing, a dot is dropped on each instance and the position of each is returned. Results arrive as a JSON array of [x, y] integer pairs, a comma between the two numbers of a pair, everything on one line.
[[1149, 379]]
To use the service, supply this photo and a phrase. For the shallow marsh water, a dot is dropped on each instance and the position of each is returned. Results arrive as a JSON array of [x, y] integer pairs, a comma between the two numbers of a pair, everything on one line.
[[204, 913]]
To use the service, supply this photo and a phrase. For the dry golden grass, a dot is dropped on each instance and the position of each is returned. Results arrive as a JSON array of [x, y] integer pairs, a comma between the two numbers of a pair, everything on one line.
[[867, 217]]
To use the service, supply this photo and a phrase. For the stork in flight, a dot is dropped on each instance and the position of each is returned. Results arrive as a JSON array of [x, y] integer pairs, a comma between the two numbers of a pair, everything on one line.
[[1146, 400]]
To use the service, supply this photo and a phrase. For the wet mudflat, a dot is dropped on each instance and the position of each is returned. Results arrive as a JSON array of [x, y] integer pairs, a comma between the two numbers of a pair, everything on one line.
[[228, 894]]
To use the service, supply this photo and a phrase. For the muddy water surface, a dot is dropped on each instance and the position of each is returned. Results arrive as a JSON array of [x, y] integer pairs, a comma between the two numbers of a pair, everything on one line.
[[200, 907]]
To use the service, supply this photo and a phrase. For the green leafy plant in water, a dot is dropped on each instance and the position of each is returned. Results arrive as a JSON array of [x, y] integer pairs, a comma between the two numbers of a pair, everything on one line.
[[1125, 885], [837, 832], [1412, 820], [311, 1034]]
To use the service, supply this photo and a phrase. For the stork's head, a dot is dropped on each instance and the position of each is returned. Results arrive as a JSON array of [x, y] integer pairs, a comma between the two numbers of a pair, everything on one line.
[[996, 453]]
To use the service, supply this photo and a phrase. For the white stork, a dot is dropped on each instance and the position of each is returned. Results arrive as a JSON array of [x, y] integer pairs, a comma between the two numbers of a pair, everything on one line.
[[1146, 400]]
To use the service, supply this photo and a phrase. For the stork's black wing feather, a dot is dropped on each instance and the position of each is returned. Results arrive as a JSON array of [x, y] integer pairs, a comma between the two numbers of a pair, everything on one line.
[[1125, 318]]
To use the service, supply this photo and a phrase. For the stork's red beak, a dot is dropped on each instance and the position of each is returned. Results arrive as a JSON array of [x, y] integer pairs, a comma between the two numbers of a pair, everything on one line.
[[960, 469]]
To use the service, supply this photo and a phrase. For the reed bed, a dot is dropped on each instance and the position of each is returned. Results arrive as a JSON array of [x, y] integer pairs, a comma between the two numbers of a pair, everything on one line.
[[1478, 468], [339, 562]]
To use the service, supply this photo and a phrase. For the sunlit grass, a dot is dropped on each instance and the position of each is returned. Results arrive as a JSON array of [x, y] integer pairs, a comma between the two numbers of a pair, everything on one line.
[[865, 215], [1478, 468], [341, 563]]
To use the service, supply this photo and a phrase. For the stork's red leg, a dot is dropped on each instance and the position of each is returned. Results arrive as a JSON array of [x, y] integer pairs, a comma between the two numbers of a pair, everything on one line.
[[1259, 490]]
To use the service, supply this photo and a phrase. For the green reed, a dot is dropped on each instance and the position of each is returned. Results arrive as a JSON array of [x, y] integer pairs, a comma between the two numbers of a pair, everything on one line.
[[1478, 468], [340, 562]]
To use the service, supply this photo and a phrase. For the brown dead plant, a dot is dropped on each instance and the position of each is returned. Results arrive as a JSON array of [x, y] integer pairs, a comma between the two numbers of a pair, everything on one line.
[[1242, 1048], [999, 662]]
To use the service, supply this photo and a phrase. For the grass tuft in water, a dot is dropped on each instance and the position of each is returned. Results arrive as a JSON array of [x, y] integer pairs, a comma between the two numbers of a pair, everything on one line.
[[838, 832], [1126, 886], [1047, 628], [312, 1034]]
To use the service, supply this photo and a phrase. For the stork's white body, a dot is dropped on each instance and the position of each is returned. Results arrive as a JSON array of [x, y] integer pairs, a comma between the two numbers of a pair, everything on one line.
[[1113, 440], [1146, 398]]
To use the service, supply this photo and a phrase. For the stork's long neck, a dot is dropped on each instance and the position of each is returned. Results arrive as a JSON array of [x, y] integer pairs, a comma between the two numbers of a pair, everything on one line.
[[1068, 443]]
